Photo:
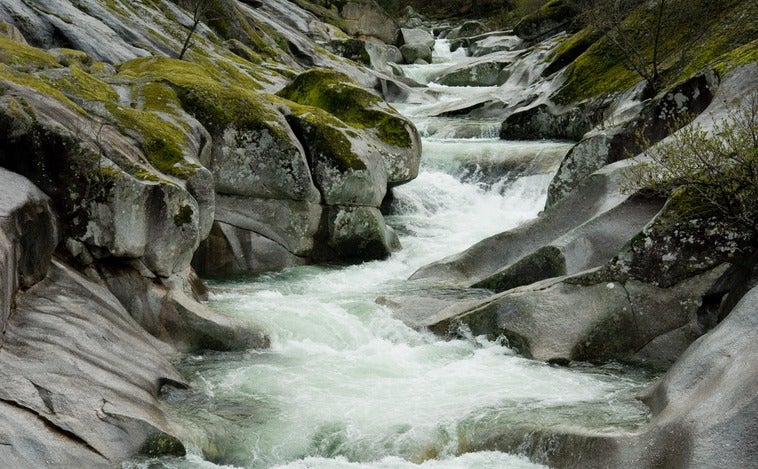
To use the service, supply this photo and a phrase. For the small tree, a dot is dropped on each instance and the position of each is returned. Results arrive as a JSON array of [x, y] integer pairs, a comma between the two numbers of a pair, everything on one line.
[[648, 34], [720, 167], [198, 10]]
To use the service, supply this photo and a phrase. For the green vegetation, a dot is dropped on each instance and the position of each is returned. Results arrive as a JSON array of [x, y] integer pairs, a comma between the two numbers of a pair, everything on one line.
[[661, 48], [218, 97], [25, 58], [711, 174], [548, 18], [339, 95], [325, 137]]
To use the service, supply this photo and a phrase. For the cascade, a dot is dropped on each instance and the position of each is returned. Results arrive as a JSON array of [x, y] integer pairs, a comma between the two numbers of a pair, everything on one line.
[[347, 385]]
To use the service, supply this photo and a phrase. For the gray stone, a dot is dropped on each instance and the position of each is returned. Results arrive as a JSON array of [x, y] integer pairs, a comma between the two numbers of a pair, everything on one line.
[[485, 73], [29, 225], [292, 224], [230, 250], [28, 236], [575, 318], [366, 18], [81, 383], [413, 52], [172, 315], [496, 42], [358, 233], [412, 37], [262, 163]]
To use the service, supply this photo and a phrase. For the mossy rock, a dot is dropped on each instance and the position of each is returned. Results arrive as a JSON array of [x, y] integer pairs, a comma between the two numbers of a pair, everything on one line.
[[549, 19], [686, 239], [702, 35], [207, 92], [163, 444], [25, 58], [337, 94], [571, 49], [345, 168], [326, 137]]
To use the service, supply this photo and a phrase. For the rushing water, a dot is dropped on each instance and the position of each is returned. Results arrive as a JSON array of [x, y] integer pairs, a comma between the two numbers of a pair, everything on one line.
[[347, 385]]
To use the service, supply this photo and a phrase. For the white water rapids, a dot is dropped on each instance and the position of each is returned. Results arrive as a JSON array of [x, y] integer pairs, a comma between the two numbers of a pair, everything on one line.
[[347, 385]]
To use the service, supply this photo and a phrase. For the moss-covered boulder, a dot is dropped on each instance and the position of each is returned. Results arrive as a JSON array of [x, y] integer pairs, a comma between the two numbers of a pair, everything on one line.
[[551, 18], [366, 112], [107, 195], [254, 152], [345, 169]]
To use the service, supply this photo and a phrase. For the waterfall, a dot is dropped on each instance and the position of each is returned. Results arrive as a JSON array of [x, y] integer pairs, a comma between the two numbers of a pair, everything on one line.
[[347, 385]]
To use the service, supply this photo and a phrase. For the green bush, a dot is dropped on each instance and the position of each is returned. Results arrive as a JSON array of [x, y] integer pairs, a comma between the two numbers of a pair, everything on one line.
[[718, 169]]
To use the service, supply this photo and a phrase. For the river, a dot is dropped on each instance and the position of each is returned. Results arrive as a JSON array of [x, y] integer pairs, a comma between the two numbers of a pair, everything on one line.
[[347, 385]]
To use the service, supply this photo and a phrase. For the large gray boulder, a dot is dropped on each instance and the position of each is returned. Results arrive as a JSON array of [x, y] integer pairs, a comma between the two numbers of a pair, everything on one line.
[[80, 385], [479, 72], [416, 54], [264, 162], [366, 18], [589, 316], [588, 229], [412, 36], [28, 235]]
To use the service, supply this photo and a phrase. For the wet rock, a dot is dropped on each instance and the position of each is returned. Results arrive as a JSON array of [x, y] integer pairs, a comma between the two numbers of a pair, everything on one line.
[[357, 233], [416, 54], [494, 43], [551, 18], [573, 319], [167, 311], [483, 72], [291, 224], [231, 250], [588, 228], [545, 121]]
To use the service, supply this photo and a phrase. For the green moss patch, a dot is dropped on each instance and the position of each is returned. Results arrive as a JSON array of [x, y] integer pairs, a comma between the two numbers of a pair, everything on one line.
[[323, 136], [217, 99], [74, 82], [23, 57], [698, 35], [30, 81], [337, 94]]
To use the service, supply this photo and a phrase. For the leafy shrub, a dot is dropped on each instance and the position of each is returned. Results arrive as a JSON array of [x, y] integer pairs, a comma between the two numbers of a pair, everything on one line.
[[718, 168]]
